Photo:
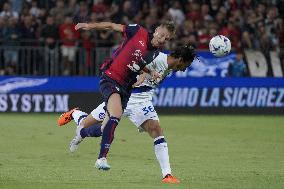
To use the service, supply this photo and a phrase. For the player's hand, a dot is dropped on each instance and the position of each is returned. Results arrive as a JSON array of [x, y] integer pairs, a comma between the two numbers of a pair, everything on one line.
[[84, 26], [156, 76], [140, 79]]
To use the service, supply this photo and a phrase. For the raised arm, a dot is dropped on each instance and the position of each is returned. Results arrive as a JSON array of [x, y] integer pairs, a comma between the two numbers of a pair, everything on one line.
[[100, 26]]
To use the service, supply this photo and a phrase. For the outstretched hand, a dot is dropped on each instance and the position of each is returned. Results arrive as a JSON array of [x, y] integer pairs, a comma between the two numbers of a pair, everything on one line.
[[140, 79], [84, 26]]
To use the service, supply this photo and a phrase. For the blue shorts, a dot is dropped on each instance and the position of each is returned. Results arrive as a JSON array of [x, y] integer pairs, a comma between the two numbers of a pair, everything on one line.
[[108, 86]]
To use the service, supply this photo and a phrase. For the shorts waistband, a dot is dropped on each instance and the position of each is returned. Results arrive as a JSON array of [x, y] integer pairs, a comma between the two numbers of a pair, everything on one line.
[[141, 89]]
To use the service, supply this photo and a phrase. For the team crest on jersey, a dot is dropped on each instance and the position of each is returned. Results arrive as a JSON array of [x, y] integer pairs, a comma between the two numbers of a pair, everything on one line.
[[137, 54]]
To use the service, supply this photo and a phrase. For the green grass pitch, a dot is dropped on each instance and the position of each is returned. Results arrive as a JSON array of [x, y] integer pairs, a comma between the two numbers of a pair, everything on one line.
[[207, 152]]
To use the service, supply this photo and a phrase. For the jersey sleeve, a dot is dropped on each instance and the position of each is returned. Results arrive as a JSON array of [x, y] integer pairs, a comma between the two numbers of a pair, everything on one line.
[[158, 60], [130, 30], [160, 65]]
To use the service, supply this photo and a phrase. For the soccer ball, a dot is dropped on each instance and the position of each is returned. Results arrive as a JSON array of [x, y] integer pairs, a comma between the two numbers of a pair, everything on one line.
[[220, 45]]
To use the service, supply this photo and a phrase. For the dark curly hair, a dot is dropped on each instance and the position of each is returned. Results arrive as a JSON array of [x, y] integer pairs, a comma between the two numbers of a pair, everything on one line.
[[186, 52]]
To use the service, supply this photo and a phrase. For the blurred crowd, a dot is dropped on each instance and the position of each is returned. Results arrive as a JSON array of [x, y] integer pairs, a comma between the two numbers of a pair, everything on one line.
[[252, 24]]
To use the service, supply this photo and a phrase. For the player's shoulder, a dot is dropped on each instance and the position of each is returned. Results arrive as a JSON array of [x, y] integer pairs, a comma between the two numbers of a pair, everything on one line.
[[161, 56], [132, 29], [159, 63]]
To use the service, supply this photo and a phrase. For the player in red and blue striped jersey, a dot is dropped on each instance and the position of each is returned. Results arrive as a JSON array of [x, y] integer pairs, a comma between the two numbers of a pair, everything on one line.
[[138, 49]]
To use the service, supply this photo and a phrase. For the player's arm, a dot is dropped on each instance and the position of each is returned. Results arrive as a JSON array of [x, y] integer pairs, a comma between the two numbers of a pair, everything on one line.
[[100, 26]]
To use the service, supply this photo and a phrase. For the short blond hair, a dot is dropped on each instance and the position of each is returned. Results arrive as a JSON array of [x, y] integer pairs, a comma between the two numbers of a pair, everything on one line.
[[170, 25]]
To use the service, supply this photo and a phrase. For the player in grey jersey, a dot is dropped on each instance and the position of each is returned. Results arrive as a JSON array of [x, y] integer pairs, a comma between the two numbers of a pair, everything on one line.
[[139, 110]]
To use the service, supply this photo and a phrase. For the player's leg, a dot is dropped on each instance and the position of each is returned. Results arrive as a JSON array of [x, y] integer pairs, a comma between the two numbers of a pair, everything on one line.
[[114, 112], [161, 149], [82, 118], [87, 126], [96, 116], [82, 133], [145, 118], [74, 114]]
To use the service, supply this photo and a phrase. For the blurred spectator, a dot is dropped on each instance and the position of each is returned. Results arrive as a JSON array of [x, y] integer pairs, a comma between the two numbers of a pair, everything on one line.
[[104, 38], [194, 12], [99, 8], [28, 31], [176, 13], [151, 20], [59, 12], [16, 5], [86, 54], [2, 26], [271, 26], [69, 37], [247, 5], [150, 24], [214, 6], [280, 6], [111, 14], [124, 14], [264, 43], [203, 38], [34, 10], [82, 15], [187, 29], [7, 12], [25, 12], [249, 35], [233, 5], [205, 12], [49, 35], [260, 10], [72, 7], [248, 23], [238, 67], [11, 37], [233, 33]]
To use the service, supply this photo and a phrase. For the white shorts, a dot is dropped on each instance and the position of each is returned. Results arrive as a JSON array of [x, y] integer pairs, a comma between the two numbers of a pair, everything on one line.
[[68, 52], [137, 113], [99, 113]]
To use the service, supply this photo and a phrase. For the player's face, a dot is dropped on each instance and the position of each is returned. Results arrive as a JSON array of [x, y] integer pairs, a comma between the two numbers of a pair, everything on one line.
[[180, 65], [160, 37]]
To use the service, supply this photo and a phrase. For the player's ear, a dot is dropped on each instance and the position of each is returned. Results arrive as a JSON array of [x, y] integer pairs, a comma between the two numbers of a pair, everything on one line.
[[155, 32], [157, 29]]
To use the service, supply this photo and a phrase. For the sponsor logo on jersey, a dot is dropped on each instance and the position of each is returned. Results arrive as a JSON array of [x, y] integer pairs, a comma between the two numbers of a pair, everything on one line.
[[134, 67]]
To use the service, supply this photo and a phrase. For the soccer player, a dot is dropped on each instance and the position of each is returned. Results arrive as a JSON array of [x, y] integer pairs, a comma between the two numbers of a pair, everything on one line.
[[138, 49], [140, 109]]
